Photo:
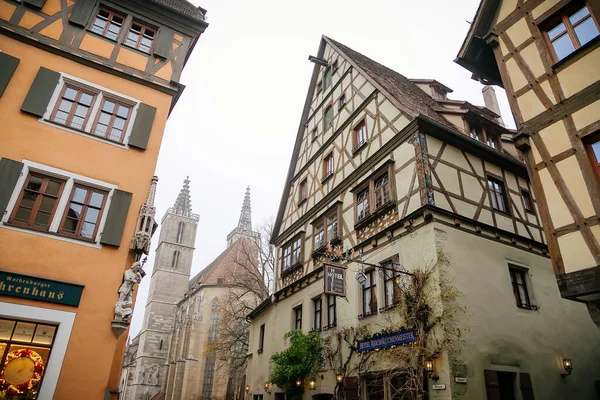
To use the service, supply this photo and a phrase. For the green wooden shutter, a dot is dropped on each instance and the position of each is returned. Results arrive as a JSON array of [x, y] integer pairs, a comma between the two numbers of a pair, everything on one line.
[[8, 66], [10, 171], [115, 221], [526, 386], [82, 10], [35, 3], [140, 133], [162, 45], [40, 92], [492, 387]]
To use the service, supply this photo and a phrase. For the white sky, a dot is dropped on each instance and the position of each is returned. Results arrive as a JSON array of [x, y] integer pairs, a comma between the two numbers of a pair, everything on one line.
[[247, 80]]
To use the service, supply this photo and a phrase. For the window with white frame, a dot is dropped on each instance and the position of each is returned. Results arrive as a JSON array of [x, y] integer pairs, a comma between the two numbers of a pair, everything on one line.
[[88, 108], [58, 202]]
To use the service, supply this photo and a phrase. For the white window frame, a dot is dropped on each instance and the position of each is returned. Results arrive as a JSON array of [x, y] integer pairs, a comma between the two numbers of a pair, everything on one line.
[[65, 322], [70, 180], [102, 91]]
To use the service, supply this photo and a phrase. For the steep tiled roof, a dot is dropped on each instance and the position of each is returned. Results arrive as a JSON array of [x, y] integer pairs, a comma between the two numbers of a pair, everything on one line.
[[397, 85], [184, 7]]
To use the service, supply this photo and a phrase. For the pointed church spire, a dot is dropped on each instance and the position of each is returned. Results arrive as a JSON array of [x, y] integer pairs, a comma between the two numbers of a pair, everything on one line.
[[245, 224], [183, 204], [244, 227]]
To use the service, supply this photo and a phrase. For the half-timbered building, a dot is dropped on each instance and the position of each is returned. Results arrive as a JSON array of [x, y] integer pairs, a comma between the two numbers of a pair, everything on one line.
[[86, 87], [395, 170], [545, 54]]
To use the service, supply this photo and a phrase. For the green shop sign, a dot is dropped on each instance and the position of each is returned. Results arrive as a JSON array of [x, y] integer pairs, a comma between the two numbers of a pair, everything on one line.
[[31, 287]]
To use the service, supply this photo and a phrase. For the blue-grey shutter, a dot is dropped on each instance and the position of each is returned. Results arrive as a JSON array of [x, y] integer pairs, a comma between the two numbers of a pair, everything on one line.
[[40, 92], [115, 220], [8, 66], [10, 171], [35, 3], [140, 133], [162, 45], [82, 10]]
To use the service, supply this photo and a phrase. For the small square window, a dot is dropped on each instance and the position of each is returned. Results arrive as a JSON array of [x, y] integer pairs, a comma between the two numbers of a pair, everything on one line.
[[315, 134], [327, 78], [73, 108], [527, 200], [317, 307], [298, 317], [84, 212], [140, 37], [111, 121], [328, 118], [261, 339], [107, 23], [360, 134], [328, 165], [303, 191], [292, 254], [37, 202], [498, 195], [342, 101], [369, 294], [570, 29], [518, 278]]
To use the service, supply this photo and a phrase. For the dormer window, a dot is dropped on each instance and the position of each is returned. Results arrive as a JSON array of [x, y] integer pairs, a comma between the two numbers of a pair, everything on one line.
[[476, 134], [438, 94], [482, 135], [492, 140]]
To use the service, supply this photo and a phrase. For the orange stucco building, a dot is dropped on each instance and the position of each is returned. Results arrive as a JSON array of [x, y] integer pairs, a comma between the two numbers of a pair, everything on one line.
[[86, 88]]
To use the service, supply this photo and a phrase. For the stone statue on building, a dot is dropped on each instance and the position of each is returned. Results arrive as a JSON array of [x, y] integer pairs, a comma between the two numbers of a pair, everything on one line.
[[131, 276]]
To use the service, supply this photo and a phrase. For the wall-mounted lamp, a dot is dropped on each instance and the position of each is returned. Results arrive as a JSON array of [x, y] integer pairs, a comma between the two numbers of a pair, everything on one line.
[[430, 369], [267, 387], [568, 366], [312, 383], [247, 388], [298, 382], [339, 377]]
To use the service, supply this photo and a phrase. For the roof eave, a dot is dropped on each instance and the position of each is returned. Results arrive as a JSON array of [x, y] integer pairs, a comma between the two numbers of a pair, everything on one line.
[[464, 142], [475, 54]]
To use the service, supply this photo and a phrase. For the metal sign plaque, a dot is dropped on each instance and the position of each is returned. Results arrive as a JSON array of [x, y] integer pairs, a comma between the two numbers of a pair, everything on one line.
[[386, 341], [31, 287], [335, 280]]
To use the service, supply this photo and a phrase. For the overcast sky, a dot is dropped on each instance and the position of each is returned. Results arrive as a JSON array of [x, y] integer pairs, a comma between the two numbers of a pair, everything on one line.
[[247, 79]]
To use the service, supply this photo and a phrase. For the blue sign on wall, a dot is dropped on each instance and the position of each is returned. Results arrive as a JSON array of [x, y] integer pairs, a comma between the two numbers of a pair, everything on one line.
[[32, 287], [381, 342]]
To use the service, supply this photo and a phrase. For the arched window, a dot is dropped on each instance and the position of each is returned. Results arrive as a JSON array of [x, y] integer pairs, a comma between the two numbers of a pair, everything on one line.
[[175, 260], [179, 232]]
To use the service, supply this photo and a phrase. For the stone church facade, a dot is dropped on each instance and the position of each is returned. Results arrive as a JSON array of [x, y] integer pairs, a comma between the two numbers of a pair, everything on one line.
[[173, 357]]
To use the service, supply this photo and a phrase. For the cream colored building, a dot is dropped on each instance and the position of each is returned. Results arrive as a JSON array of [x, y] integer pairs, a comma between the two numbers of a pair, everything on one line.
[[397, 171], [546, 55]]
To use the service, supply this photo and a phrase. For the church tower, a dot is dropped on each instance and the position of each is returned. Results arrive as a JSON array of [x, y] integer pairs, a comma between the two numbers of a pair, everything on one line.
[[169, 282], [244, 227]]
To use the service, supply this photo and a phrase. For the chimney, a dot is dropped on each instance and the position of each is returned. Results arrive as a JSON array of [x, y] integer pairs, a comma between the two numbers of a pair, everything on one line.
[[491, 102]]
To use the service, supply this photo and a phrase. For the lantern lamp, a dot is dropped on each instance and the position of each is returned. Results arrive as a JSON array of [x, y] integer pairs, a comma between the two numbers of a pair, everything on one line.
[[568, 366], [298, 382], [267, 387], [430, 369], [339, 377], [312, 383], [247, 388]]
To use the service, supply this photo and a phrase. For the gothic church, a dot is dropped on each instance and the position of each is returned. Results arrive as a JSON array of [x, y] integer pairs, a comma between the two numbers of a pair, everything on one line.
[[173, 357]]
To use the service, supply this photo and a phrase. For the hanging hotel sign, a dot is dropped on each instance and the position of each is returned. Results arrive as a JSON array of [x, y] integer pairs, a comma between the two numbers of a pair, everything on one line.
[[335, 280], [31, 287], [381, 342]]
